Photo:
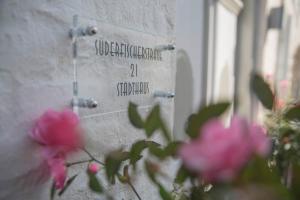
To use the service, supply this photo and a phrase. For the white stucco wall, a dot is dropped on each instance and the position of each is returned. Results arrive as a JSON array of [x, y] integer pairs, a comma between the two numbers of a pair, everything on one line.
[[36, 73], [189, 47]]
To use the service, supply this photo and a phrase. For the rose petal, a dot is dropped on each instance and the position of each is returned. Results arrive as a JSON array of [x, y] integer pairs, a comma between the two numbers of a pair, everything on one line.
[[58, 171]]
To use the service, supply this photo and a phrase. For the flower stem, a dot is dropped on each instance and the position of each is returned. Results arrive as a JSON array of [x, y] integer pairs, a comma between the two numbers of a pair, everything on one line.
[[93, 158], [134, 190], [103, 164], [78, 162]]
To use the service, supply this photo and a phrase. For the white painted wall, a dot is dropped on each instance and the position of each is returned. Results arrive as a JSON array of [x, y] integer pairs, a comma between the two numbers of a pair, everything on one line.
[[36, 74], [189, 34]]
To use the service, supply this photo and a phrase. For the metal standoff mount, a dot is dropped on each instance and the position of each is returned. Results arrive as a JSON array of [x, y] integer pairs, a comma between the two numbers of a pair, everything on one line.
[[75, 32], [163, 94], [81, 31], [168, 47], [84, 103]]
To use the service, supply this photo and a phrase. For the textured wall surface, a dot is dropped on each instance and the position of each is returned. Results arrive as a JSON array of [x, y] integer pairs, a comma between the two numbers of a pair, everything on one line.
[[36, 73]]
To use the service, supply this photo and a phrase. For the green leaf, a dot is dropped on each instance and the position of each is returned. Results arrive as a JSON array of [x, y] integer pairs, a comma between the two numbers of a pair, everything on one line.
[[94, 183], [122, 179], [293, 113], [68, 183], [206, 113], [155, 122], [164, 130], [53, 191], [263, 91], [163, 153], [134, 116], [152, 121], [152, 143], [157, 151], [258, 171], [164, 194], [113, 163], [295, 181], [151, 171], [124, 155], [183, 196], [126, 172], [197, 193], [136, 150], [125, 178], [172, 148], [182, 175]]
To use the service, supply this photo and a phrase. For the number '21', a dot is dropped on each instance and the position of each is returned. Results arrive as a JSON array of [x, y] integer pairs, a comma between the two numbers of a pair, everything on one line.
[[133, 69]]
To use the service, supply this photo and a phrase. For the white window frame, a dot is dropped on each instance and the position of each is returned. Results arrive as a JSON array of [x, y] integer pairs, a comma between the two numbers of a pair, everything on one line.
[[234, 6]]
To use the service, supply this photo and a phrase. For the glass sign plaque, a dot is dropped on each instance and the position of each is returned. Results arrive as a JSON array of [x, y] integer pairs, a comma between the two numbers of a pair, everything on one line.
[[118, 65]]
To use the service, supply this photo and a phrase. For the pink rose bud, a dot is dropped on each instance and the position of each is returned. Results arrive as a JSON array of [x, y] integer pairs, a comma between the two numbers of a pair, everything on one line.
[[94, 168]]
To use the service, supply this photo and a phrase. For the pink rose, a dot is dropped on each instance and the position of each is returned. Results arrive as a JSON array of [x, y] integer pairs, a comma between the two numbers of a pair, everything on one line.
[[59, 135], [279, 103], [57, 129], [283, 88], [284, 84], [93, 168], [58, 171], [260, 142], [269, 76], [219, 153]]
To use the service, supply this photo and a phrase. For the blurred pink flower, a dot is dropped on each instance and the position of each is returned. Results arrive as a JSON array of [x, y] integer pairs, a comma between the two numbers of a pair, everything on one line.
[[219, 153], [93, 168], [279, 103], [58, 171], [261, 144], [57, 129], [284, 84], [58, 134], [269, 76]]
